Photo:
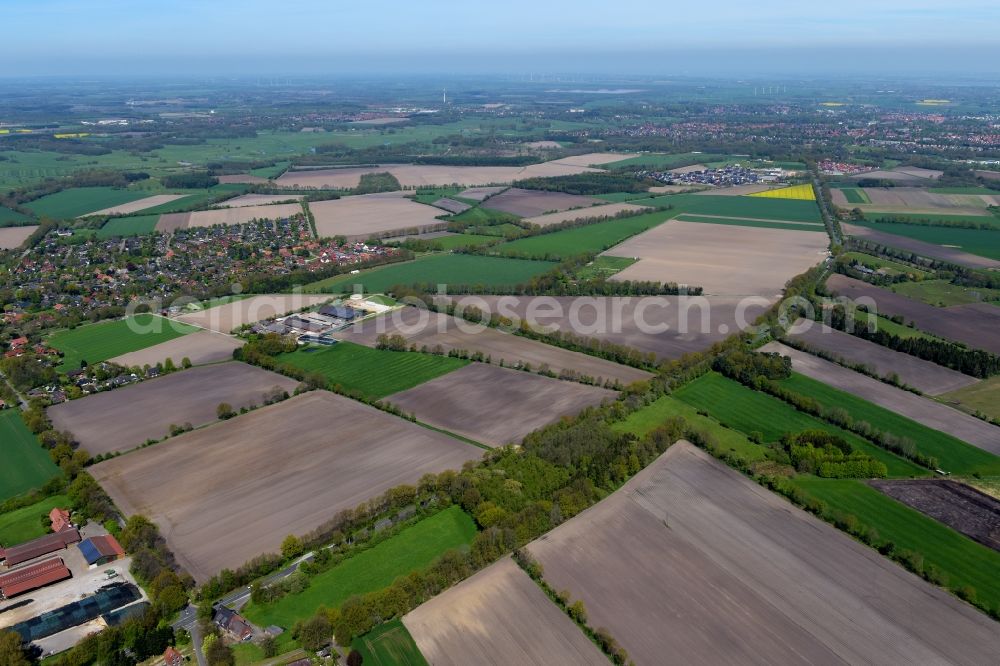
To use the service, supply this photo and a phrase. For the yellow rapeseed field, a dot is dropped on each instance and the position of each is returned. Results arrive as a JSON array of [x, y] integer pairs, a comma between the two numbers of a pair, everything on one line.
[[798, 192]]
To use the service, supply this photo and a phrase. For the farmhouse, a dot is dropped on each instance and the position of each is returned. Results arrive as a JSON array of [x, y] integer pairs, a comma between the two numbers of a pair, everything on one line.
[[101, 550], [60, 519], [233, 623], [43, 545]]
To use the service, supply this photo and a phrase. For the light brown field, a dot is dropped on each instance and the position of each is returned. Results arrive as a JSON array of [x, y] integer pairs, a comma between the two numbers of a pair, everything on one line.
[[480, 193], [543, 145], [200, 348], [919, 200], [242, 178], [951, 254], [499, 616], [493, 405], [230, 216], [693, 560], [11, 237], [224, 494], [125, 418], [725, 260], [917, 408], [258, 200], [135, 206], [531, 203], [431, 175], [925, 376], [604, 210], [674, 189], [224, 318], [665, 326], [423, 327], [367, 215], [691, 168]]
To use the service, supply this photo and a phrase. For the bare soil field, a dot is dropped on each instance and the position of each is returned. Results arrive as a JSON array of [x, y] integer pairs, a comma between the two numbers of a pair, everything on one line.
[[674, 189], [665, 326], [976, 325], [921, 200], [543, 145], [590, 159], [11, 237], [200, 348], [901, 174], [430, 175], [725, 260], [531, 203], [247, 178], [258, 200], [426, 328], [918, 408], [498, 616], [125, 418], [744, 577], [737, 190], [931, 250], [224, 494], [360, 217], [230, 216], [691, 168], [224, 318], [480, 193], [964, 509], [494, 405], [928, 377], [136, 206], [604, 210]]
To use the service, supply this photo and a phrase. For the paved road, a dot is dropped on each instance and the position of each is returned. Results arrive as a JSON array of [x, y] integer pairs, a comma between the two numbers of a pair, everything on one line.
[[196, 639]]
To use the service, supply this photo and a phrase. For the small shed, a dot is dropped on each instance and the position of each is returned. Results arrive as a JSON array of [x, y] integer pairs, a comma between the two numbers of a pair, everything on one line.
[[101, 549]]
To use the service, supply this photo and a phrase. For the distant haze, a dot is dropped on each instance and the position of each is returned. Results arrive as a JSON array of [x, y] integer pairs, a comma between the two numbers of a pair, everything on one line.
[[57, 37]]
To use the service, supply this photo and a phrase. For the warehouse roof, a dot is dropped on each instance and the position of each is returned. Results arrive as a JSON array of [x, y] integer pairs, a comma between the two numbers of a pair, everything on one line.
[[98, 547], [43, 545]]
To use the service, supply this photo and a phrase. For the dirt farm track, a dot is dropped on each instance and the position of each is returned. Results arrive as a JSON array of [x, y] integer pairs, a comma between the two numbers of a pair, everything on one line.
[[224, 494], [744, 577]]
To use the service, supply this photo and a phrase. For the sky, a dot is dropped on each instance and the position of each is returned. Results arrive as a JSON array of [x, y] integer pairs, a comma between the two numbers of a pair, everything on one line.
[[58, 37]]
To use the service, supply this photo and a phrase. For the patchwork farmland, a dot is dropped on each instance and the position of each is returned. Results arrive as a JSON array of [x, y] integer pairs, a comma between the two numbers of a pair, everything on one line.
[[974, 248], [975, 325], [137, 205], [310, 456], [122, 419], [690, 539], [99, 342], [495, 406], [227, 216], [200, 347], [531, 203], [498, 616]]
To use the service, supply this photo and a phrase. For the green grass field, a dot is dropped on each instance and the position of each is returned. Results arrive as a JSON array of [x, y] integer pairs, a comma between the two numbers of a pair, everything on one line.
[[25, 524], [481, 215], [961, 190], [954, 455], [855, 195], [589, 238], [413, 548], [983, 242], [271, 171], [10, 217], [872, 216], [82, 200], [462, 240], [963, 560], [26, 465], [104, 340], [650, 417], [604, 267], [437, 269], [374, 372], [750, 207], [983, 397], [128, 226], [745, 222], [389, 644], [746, 410], [943, 293], [889, 326], [665, 161]]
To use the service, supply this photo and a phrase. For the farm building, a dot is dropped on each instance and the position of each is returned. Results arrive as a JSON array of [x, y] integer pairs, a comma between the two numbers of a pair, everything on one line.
[[233, 623], [43, 545], [101, 549], [103, 601], [345, 312], [172, 657], [60, 519], [33, 577]]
